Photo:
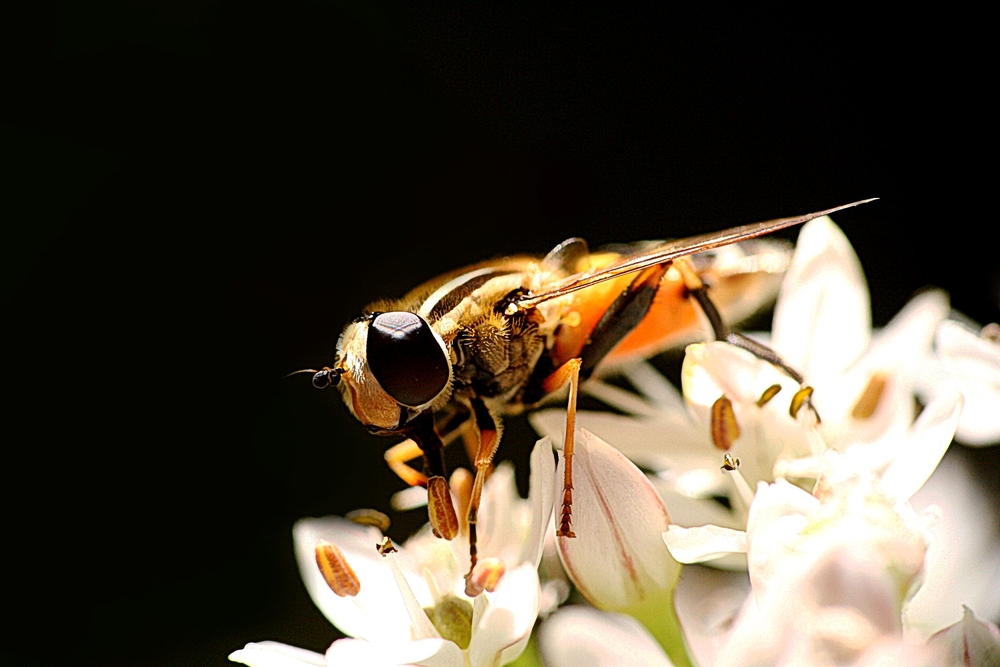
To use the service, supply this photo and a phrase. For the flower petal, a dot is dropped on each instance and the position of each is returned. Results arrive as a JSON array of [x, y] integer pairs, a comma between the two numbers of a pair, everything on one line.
[[703, 543], [618, 557], [423, 652], [822, 319], [578, 635], [274, 654], [504, 626], [918, 454], [377, 612], [969, 641], [541, 496], [973, 363], [963, 556]]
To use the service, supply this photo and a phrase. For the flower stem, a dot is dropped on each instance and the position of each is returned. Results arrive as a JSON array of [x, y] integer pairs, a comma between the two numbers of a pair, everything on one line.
[[662, 623]]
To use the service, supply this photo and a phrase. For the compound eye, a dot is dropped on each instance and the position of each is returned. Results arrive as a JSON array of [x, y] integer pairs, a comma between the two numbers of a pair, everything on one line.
[[406, 358]]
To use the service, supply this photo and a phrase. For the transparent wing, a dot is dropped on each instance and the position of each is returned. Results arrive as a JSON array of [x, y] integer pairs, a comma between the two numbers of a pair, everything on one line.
[[667, 252]]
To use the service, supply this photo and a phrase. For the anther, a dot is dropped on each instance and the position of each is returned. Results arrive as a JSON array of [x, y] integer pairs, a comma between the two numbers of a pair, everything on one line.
[[730, 463], [768, 394], [335, 570], [369, 517], [725, 430], [485, 576], [385, 547], [802, 398], [991, 332], [441, 512], [869, 400]]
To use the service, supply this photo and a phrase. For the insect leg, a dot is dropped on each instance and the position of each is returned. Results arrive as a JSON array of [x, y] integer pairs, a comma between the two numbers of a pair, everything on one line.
[[397, 457], [489, 438], [619, 320], [699, 291], [440, 509], [568, 372], [622, 316]]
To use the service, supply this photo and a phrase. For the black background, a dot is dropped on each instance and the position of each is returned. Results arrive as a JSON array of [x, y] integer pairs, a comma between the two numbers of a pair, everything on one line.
[[199, 194]]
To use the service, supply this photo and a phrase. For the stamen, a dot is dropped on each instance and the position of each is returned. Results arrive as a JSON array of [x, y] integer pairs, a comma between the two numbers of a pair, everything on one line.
[[725, 430], [484, 576], [802, 398], [336, 571], [420, 625], [991, 332], [369, 517], [385, 547], [868, 402], [768, 394], [443, 521], [731, 464]]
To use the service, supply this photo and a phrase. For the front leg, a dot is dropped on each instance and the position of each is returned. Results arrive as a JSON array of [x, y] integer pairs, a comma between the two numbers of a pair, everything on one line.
[[489, 438], [440, 510]]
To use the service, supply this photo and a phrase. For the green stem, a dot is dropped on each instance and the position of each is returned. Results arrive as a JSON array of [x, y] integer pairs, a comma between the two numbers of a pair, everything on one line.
[[662, 623]]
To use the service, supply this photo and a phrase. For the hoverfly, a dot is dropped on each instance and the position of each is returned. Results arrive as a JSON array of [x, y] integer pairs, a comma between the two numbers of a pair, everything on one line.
[[461, 351]]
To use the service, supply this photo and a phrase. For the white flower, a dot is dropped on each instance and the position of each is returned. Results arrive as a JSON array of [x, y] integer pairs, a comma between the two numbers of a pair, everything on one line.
[[617, 560], [411, 608], [970, 362], [830, 571]]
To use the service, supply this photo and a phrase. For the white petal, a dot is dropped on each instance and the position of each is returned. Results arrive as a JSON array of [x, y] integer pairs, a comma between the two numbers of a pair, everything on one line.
[[274, 654], [963, 557], [974, 364], [425, 652], [896, 353], [618, 556], [377, 612], [822, 319], [579, 636], [506, 622], [708, 602], [541, 495], [918, 453], [703, 543]]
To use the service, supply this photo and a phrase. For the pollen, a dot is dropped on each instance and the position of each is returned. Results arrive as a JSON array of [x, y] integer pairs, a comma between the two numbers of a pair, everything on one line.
[[443, 519], [802, 398], [725, 430], [335, 570], [768, 394], [870, 397], [485, 576]]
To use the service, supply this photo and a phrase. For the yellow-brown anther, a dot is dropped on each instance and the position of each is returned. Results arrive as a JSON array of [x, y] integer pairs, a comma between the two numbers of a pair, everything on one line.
[[367, 517], [991, 332], [725, 430], [768, 394], [730, 463], [800, 398], [484, 576], [868, 402], [335, 570], [441, 512], [385, 547]]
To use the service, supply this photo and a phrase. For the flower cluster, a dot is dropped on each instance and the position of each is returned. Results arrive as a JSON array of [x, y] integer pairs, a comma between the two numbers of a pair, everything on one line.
[[753, 518]]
